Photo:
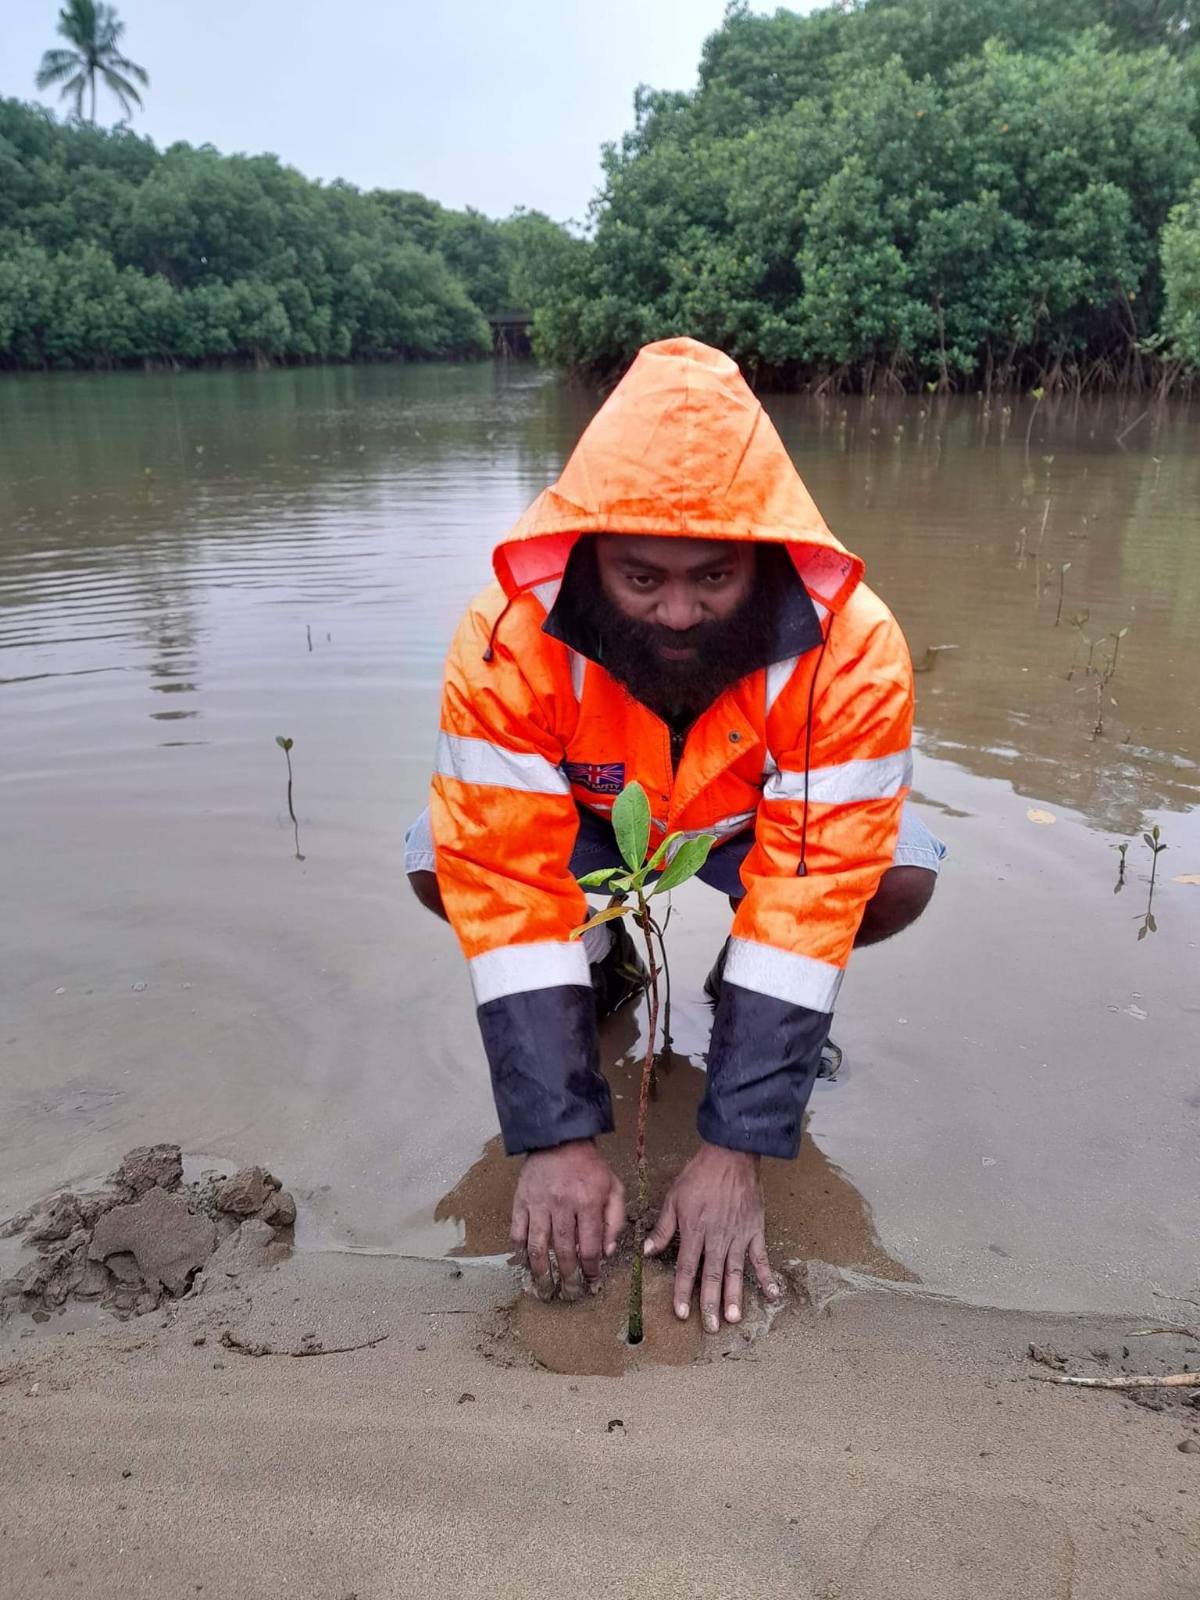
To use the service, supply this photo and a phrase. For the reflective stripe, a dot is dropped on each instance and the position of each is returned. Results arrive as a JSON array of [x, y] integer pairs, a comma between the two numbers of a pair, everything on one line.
[[578, 672], [798, 980], [878, 779], [778, 674], [517, 968], [477, 761], [722, 828]]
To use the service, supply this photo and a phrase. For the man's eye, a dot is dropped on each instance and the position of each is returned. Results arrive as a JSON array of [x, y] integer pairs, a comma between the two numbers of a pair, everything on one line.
[[640, 580], [715, 579]]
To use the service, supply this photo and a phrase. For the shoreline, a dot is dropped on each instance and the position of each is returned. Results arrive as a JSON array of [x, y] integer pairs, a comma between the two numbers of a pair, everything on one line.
[[877, 1443]]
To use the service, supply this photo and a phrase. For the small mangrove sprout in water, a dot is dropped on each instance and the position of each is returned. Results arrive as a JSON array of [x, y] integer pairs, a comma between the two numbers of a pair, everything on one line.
[[1102, 672], [1062, 583], [285, 745], [678, 857], [1154, 844], [1120, 883]]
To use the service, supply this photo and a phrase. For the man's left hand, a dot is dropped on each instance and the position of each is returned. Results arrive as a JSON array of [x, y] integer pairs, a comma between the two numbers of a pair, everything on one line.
[[716, 1204]]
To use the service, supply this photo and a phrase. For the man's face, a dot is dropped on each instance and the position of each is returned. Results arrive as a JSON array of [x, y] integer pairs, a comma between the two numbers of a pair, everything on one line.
[[673, 586]]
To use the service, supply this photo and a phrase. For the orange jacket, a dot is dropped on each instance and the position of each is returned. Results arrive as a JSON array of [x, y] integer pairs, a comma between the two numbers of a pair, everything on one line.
[[812, 751]]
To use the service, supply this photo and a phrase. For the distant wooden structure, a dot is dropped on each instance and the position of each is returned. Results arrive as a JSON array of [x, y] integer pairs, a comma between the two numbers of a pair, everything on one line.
[[511, 333]]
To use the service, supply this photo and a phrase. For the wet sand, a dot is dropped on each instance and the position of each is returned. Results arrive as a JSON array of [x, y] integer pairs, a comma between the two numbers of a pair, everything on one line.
[[884, 1448]]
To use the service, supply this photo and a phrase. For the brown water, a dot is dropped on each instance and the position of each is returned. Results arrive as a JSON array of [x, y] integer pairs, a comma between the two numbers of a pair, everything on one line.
[[190, 566]]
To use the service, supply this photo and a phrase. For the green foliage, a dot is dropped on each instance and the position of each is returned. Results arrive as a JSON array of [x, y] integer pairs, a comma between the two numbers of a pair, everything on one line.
[[948, 189], [1181, 279], [631, 825], [113, 253]]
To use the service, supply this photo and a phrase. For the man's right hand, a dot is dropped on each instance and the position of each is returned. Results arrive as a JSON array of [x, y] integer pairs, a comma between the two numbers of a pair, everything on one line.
[[571, 1199]]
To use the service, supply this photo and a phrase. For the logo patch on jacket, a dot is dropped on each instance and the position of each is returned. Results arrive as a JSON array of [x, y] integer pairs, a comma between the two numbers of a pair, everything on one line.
[[604, 777]]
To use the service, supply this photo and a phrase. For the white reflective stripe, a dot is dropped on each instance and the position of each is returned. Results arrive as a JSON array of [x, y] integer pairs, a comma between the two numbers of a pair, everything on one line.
[[518, 968], [477, 761], [877, 779], [547, 593], [799, 980], [722, 828], [778, 674], [578, 672]]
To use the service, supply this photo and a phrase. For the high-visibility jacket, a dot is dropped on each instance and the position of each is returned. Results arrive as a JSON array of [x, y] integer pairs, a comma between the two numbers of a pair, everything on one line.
[[811, 751]]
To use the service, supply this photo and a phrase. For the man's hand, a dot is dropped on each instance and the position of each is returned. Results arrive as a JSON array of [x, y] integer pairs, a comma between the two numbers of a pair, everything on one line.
[[568, 1197], [716, 1203]]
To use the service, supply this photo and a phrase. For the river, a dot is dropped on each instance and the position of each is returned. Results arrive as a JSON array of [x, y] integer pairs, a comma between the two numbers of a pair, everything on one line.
[[192, 565]]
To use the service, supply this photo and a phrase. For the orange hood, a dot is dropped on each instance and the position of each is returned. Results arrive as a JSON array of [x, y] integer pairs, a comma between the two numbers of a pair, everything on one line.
[[682, 447]]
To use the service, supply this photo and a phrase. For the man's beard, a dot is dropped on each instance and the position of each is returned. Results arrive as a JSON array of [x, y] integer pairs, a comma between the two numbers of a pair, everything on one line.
[[724, 650]]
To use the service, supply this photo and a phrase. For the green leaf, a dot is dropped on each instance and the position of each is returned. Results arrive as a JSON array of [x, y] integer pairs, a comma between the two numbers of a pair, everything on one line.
[[607, 915], [631, 824], [1146, 837], [597, 880], [284, 744], [688, 859], [1142, 931], [653, 863], [1150, 922]]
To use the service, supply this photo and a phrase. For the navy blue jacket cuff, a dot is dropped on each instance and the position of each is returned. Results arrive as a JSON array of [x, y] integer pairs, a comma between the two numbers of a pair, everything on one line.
[[762, 1064], [544, 1058]]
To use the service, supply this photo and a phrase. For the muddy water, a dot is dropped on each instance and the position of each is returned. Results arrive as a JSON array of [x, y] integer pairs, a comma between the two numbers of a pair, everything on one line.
[[191, 566]]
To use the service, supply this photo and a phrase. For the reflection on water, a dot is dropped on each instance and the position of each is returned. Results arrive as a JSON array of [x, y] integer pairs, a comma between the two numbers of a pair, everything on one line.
[[193, 565], [967, 533], [154, 528]]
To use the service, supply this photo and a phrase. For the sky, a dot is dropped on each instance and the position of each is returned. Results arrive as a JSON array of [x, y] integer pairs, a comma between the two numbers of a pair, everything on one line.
[[472, 102]]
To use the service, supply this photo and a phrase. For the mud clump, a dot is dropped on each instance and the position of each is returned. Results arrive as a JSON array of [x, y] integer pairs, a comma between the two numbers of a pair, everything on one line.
[[146, 1236]]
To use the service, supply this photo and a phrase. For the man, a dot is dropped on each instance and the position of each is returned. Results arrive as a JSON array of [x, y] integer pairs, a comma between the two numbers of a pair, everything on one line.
[[673, 610]]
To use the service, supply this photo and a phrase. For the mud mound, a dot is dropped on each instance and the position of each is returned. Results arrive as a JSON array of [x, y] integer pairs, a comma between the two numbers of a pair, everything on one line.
[[145, 1235]]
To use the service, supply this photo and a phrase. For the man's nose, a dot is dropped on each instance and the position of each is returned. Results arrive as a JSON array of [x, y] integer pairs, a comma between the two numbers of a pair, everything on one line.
[[679, 609]]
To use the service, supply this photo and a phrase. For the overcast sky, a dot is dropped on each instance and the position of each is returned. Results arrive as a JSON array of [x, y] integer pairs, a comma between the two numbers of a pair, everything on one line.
[[471, 101]]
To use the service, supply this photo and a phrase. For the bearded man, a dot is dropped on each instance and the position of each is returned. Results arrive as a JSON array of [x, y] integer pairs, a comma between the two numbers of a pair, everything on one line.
[[673, 610]]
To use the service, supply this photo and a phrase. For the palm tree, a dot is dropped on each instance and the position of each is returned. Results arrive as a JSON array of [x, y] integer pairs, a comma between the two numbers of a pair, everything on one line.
[[95, 32]]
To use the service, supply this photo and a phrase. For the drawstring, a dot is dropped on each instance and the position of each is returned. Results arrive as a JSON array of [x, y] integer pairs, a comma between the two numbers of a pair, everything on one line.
[[489, 654], [802, 869]]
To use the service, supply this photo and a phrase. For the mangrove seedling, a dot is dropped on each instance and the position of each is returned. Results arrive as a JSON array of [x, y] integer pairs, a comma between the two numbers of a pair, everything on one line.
[[285, 745], [677, 859], [1153, 842], [1120, 883], [1062, 581]]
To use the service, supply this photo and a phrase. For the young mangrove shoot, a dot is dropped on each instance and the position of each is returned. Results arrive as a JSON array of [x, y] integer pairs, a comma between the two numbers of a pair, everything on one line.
[[1153, 842], [676, 859], [285, 745]]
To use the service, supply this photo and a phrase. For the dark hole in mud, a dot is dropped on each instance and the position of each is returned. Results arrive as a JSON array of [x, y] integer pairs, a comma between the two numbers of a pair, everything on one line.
[[634, 1338]]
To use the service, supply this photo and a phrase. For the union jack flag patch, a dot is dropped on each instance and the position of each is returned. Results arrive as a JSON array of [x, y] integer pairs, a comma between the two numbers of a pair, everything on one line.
[[604, 777]]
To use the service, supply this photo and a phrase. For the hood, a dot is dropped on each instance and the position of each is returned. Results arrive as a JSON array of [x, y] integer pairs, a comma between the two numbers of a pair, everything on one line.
[[682, 447]]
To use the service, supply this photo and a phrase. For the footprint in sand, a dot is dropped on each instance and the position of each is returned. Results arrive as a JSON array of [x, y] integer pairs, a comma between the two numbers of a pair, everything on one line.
[[960, 1547]]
